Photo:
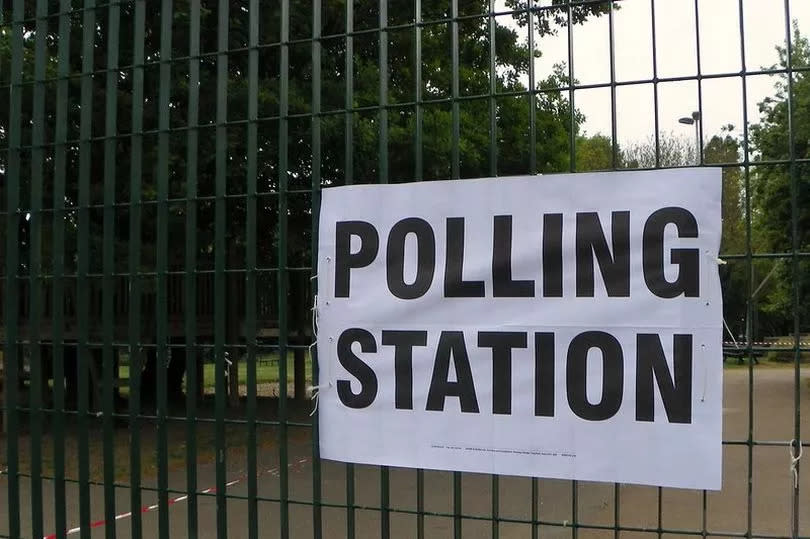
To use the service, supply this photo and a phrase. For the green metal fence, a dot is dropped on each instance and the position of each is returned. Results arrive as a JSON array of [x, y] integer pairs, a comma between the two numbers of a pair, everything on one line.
[[161, 170]]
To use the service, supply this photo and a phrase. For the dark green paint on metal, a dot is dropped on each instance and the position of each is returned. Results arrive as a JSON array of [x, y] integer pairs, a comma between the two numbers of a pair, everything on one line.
[[349, 179], [35, 269], [250, 267], [219, 264], [190, 277], [317, 514], [58, 300], [655, 85], [83, 286], [110, 170], [11, 356], [162, 267], [283, 177], [136, 354]]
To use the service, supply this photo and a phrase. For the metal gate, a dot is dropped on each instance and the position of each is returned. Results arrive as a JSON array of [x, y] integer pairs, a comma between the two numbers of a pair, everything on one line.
[[161, 168]]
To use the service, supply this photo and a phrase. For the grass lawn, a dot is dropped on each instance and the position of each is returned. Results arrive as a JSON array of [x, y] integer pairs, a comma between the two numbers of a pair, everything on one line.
[[267, 371]]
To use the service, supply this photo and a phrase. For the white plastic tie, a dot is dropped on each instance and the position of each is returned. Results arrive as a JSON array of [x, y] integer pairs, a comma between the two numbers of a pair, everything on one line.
[[229, 363], [716, 259], [315, 393], [315, 318], [795, 457], [730, 334]]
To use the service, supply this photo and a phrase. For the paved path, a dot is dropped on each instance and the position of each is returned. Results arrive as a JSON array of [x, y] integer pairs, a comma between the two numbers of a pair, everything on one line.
[[638, 506]]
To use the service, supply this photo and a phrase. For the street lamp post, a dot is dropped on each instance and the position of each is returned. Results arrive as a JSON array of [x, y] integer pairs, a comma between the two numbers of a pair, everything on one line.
[[690, 120]]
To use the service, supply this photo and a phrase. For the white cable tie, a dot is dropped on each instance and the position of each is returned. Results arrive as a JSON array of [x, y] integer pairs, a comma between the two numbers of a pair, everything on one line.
[[716, 259], [315, 393], [315, 317], [730, 334], [794, 460]]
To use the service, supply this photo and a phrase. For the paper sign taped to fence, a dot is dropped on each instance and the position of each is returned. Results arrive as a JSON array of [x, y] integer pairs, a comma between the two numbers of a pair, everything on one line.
[[564, 326]]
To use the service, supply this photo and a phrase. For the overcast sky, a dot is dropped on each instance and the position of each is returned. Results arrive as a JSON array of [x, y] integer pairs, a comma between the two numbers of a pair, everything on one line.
[[719, 33]]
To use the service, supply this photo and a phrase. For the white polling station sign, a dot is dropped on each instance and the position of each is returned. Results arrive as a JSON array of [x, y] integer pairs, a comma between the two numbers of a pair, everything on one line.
[[564, 326]]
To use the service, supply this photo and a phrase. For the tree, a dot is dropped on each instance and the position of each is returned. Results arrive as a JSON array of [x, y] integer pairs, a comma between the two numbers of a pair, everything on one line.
[[595, 153], [673, 151], [776, 187], [553, 118]]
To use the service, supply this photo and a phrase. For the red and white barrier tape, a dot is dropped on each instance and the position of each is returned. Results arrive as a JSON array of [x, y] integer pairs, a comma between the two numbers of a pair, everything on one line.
[[172, 501], [742, 344]]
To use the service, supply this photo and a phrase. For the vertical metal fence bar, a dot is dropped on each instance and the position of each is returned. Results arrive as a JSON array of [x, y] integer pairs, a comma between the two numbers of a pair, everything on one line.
[[699, 148], [161, 264], [136, 353], [655, 86], [109, 288], [193, 358], [535, 503], [219, 263], [660, 510], [572, 168], [795, 446], [493, 172], [454, 174], [493, 90], [250, 265], [348, 152], [532, 170], [417, 69], [454, 147], [348, 112], [703, 521], [614, 153], [532, 111], [699, 157], [385, 487], [283, 131], [317, 522], [572, 157], [58, 300], [749, 268], [418, 174], [383, 91], [83, 248], [11, 356], [614, 164], [35, 268]]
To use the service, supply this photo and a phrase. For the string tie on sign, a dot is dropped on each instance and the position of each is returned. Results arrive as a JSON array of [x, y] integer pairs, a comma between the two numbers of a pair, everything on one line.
[[315, 393], [315, 390], [795, 456], [228, 364]]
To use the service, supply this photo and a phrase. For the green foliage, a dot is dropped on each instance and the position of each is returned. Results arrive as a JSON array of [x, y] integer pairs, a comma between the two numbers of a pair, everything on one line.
[[775, 188], [594, 153], [553, 117], [554, 120]]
